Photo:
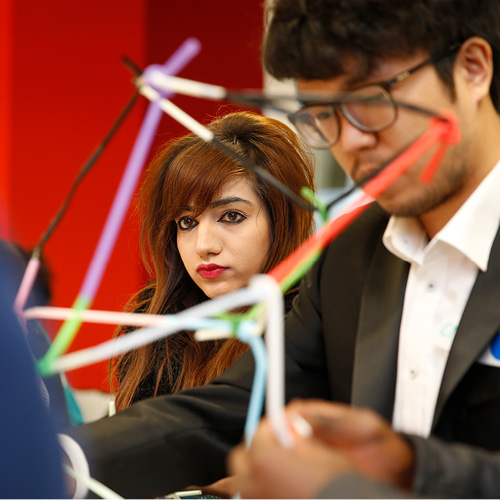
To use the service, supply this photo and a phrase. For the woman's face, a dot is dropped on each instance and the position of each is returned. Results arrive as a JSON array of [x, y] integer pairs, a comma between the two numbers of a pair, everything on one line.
[[228, 243]]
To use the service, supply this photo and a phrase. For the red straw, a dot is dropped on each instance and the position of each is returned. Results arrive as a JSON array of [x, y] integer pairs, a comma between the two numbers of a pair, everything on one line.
[[443, 131]]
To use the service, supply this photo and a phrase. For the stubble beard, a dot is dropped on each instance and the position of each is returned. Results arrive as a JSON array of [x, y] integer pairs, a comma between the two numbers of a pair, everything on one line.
[[449, 180]]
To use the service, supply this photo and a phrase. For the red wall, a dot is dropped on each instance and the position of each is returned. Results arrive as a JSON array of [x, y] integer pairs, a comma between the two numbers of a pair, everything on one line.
[[6, 77], [65, 86]]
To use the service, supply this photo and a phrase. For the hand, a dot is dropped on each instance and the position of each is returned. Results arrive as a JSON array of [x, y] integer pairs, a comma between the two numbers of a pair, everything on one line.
[[362, 436], [267, 470], [344, 439], [223, 488]]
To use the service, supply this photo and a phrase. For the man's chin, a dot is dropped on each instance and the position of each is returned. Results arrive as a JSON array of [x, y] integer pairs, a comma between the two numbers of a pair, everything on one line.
[[395, 205]]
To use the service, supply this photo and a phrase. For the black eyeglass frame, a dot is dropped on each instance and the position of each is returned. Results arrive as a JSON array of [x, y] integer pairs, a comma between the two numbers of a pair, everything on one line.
[[338, 104]]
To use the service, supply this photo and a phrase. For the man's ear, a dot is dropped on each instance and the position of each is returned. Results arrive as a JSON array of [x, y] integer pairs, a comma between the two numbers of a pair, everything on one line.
[[474, 67]]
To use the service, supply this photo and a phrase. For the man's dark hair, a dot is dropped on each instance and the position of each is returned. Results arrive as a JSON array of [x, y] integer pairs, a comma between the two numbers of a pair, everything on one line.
[[310, 39]]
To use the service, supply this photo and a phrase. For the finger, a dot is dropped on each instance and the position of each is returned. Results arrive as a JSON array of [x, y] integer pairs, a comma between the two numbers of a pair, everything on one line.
[[353, 427], [318, 406]]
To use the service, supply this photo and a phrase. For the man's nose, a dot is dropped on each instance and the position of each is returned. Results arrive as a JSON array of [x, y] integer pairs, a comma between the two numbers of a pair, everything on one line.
[[352, 139]]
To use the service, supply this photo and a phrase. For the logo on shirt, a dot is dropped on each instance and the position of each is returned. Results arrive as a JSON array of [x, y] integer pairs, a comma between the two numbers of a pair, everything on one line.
[[491, 356]]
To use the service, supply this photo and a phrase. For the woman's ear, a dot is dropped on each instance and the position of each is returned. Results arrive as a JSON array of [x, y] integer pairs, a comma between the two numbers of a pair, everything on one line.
[[474, 67]]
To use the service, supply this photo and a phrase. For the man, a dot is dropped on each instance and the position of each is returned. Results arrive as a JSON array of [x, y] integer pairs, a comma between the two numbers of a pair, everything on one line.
[[399, 313], [373, 47]]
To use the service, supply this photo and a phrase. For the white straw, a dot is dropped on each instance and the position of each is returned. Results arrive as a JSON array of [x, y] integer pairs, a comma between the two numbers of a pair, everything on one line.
[[92, 484], [254, 326], [183, 86], [275, 391], [133, 340], [262, 288], [93, 316], [211, 334], [190, 319], [176, 113]]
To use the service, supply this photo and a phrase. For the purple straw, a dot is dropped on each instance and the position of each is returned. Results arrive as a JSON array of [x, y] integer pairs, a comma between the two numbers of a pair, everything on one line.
[[189, 49]]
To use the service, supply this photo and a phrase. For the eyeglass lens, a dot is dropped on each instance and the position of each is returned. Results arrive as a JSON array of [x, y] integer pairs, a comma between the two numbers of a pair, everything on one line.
[[370, 109]]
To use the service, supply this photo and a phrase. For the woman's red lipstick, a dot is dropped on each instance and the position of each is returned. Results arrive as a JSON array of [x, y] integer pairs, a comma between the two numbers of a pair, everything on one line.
[[210, 271]]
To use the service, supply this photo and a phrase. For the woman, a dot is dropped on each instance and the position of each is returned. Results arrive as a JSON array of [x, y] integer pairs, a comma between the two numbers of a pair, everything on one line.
[[208, 225]]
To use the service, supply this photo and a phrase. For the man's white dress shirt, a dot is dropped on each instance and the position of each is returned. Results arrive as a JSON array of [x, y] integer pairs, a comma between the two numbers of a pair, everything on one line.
[[442, 274]]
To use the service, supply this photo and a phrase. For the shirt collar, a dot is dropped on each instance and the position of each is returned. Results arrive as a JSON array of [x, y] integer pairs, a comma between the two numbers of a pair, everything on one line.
[[471, 230]]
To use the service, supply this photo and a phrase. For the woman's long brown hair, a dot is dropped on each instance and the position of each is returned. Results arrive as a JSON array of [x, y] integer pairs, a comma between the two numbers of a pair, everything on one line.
[[190, 171]]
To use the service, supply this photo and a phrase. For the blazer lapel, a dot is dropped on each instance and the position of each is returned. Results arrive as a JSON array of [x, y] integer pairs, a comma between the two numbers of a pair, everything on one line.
[[376, 352], [480, 323]]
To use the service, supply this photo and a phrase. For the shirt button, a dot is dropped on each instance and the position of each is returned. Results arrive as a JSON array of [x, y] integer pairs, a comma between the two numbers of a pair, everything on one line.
[[413, 374]]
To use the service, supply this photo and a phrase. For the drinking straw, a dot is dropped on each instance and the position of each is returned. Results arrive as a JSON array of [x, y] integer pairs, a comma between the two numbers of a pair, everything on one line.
[[33, 266], [191, 319], [117, 213]]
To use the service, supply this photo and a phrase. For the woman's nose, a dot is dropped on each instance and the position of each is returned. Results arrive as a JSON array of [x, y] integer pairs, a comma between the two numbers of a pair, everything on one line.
[[208, 241]]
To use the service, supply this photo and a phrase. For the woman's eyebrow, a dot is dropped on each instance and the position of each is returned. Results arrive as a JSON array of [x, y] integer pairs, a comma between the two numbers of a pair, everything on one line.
[[226, 201], [218, 203]]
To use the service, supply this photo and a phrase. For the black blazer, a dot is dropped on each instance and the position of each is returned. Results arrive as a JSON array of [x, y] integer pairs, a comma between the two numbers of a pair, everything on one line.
[[342, 339], [355, 296]]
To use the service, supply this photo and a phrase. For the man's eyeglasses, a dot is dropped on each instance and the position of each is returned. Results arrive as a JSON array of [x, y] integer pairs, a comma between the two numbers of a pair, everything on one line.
[[370, 109]]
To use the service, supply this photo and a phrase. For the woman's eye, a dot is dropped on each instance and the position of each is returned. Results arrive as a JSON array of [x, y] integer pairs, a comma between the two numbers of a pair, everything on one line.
[[185, 223], [232, 217]]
